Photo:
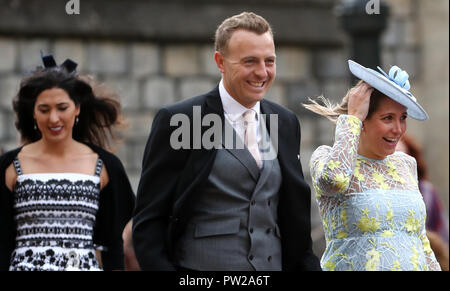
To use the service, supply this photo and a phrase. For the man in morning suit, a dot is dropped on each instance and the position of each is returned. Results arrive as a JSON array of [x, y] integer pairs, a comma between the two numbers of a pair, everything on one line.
[[225, 208]]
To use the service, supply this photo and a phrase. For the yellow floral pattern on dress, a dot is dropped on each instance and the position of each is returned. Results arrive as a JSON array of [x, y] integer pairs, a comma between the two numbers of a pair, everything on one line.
[[355, 127], [426, 245], [347, 260], [372, 212], [333, 164], [367, 223], [318, 191], [330, 266], [341, 182], [344, 218], [373, 260], [393, 173], [387, 233], [357, 173], [396, 266], [341, 234], [390, 214], [333, 223], [412, 224], [379, 178], [325, 227], [415, 259]]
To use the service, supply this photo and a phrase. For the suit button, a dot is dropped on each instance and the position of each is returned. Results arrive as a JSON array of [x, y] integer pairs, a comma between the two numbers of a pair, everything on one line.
[[250, 257], [251, 230], [268, 202], [253, 202], [269, 230], [269, 258]]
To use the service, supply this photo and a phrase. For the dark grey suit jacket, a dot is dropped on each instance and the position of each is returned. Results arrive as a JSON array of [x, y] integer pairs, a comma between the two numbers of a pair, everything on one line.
[[170, 179]]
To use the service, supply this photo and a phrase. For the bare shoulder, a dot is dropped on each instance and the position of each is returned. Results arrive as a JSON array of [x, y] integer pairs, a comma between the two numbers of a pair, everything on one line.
[[82, 149], [87, 152], [29, 150]]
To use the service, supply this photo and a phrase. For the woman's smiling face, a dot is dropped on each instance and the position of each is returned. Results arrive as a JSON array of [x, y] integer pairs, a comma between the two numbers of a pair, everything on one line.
[[383, 130], [55, 113]]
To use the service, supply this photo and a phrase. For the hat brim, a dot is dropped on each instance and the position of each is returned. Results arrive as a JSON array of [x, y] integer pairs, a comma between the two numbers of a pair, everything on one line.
[[388, 88]]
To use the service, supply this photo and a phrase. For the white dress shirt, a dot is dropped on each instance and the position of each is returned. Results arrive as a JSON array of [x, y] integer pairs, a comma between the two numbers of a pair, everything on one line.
[[234, 110]]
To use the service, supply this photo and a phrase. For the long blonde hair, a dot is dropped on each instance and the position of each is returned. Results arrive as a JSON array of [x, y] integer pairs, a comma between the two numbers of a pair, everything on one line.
[[333, 111]]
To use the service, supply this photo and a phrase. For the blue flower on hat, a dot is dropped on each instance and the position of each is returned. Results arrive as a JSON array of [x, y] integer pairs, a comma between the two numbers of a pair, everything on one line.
[[399, 77]]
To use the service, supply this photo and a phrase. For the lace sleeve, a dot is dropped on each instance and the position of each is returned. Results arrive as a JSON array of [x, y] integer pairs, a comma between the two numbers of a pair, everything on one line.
[[332, 167]]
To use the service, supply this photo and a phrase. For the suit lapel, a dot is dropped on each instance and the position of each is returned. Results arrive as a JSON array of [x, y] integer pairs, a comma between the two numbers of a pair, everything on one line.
[[201, 160], [267, 110], [239, 151], [286, 134], [214, 105], [271, 142]]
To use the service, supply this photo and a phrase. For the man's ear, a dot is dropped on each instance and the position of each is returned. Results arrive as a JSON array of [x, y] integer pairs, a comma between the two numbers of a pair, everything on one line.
[[219, 58]]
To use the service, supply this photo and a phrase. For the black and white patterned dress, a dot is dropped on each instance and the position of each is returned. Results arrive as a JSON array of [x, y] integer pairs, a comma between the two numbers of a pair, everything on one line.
[[55, 215]]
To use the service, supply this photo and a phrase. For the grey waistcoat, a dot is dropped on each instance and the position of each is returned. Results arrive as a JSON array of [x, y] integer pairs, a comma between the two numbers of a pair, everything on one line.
[[234, 223]]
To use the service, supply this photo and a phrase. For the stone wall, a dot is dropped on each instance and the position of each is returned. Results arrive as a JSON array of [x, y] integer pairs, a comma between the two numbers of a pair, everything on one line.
[[157, 60]]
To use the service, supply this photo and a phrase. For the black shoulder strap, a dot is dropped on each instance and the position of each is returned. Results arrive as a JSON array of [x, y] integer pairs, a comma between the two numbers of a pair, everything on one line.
[[17, 166], [98, 167]]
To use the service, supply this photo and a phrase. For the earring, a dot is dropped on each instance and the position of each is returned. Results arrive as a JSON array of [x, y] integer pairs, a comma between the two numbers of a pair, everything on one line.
[[35, 127], [76, 120]]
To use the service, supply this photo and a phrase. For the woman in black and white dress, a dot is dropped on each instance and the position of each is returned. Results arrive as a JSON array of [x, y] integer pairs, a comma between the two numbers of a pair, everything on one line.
[[64, 199]]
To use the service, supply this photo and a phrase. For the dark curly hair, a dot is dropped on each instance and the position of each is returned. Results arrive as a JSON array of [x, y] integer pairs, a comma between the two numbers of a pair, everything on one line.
[[99, 111]]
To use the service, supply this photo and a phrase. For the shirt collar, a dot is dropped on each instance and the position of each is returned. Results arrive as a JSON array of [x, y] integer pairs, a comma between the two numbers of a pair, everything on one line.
[[231, 107]]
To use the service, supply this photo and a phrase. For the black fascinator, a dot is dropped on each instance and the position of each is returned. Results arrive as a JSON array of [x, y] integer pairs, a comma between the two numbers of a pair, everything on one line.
[[68, 65]]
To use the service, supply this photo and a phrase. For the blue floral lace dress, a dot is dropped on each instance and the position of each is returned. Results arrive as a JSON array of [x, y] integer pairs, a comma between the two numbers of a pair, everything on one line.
[[55, 215], [372, 211]]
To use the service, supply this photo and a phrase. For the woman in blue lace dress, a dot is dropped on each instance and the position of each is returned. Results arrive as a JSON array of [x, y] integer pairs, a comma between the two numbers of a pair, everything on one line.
[[372, 211], [64, 199]]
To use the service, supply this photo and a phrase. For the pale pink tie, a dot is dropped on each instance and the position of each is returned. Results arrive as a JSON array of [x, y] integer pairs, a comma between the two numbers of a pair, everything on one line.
[[250, 135]]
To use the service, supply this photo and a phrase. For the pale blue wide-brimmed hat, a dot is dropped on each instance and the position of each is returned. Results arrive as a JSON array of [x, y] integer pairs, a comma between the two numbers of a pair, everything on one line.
[[395, 86]]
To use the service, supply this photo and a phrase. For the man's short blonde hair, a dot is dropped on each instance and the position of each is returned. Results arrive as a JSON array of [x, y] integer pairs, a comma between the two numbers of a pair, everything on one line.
[[247, 21]]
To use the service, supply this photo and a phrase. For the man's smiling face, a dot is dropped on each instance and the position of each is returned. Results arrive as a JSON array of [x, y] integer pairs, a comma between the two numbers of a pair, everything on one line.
[[248, 66]]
